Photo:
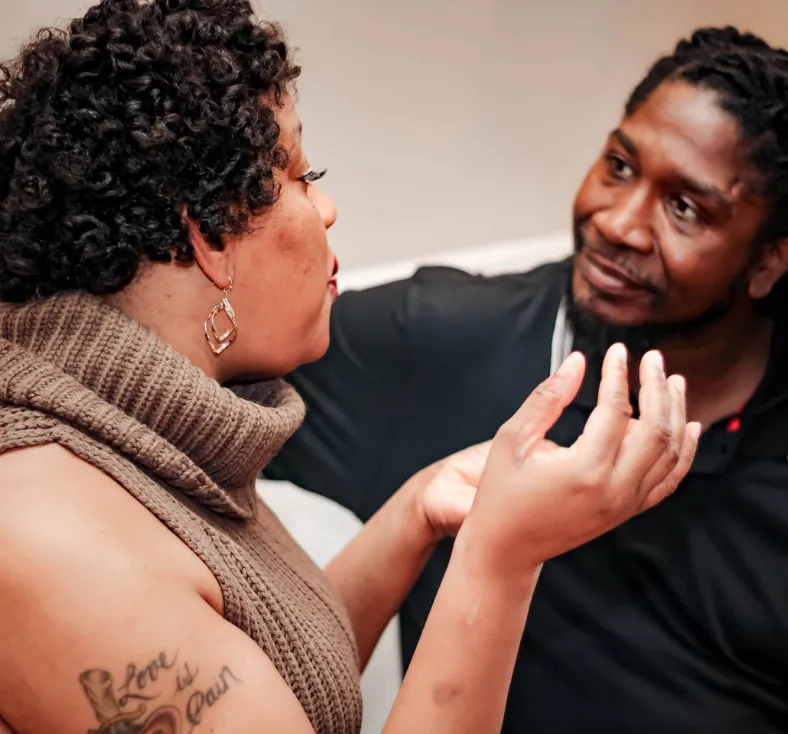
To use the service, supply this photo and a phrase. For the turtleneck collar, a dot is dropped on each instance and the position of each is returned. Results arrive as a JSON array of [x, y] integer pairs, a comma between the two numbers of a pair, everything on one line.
[[86, 363]]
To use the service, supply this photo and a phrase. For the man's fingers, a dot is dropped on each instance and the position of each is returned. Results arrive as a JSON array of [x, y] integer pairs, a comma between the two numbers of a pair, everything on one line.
[[606, 426], [546, 403], [668, 485]]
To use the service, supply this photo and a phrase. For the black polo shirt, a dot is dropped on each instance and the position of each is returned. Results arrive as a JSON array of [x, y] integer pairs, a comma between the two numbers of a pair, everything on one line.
[[675, 622]]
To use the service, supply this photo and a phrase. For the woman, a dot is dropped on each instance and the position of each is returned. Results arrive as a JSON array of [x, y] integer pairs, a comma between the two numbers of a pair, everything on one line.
[[161, 235]]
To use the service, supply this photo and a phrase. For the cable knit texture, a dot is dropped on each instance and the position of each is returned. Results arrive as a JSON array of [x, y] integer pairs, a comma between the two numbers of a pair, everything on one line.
[[78, 372]]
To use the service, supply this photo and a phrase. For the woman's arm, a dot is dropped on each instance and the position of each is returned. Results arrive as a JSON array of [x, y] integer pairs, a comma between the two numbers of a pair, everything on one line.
[[374, 573], [459, 677]]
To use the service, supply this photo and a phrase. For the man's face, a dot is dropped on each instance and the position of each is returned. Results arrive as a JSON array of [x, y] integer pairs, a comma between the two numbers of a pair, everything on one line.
[[666, 220]]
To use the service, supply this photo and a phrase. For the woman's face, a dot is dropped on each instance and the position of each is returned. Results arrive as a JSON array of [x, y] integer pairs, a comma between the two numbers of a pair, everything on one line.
[[284, 271]]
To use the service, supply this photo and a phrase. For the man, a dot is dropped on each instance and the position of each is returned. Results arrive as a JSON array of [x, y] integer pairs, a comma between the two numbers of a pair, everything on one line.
[[677, 621]]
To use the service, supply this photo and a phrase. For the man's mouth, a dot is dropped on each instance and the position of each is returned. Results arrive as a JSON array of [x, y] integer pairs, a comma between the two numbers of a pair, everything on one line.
[[609, 278]]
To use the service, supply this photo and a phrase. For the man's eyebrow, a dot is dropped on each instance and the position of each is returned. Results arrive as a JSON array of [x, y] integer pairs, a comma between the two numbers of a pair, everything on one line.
[[709, 191], [686, 182], [626, 142]]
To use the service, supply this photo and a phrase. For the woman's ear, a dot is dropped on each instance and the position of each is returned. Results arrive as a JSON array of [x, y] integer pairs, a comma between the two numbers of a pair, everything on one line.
[[211, 260], [772, 265]]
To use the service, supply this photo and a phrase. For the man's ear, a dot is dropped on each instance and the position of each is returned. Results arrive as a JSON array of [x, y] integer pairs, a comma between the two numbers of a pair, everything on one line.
[[771, 266], [211, 260]]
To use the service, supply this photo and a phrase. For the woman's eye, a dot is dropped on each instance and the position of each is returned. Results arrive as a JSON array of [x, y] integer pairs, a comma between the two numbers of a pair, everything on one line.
[[618, 167], [312, 175]]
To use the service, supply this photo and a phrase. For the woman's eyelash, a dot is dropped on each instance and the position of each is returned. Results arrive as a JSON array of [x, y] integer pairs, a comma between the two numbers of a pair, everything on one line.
[[312, 175]]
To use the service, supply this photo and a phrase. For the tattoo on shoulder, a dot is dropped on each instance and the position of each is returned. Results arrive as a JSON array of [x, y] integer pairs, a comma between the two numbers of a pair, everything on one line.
[[161, 696]]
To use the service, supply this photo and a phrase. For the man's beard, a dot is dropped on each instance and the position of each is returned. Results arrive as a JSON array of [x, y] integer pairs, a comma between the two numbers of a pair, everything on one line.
[[593, 336]]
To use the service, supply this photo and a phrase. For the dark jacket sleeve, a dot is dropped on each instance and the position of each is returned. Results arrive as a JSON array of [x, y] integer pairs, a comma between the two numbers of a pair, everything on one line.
[[353, 396]]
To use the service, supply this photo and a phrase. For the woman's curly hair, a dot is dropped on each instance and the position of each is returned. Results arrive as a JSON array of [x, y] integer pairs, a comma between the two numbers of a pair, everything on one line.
[[111, 129]]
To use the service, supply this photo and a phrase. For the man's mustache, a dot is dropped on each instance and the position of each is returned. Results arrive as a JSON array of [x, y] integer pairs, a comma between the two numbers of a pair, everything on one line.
[[604, 250]]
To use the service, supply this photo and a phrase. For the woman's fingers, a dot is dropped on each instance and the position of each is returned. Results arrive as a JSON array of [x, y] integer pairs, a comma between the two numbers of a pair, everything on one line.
[[640, 462], [649, 441], [678, 423], [607, 425], [631, 464], [544, 405], [668, 485]]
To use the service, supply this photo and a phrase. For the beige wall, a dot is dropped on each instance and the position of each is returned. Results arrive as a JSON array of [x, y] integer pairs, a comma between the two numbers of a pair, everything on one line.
[[452, 123]]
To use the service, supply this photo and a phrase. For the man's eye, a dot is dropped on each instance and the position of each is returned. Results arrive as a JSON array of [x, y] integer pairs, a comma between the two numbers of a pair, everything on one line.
[[312, 175], [618, 167], [684, 210]]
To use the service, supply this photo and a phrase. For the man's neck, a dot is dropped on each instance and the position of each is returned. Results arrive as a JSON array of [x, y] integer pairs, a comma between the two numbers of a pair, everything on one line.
[[723, 367]]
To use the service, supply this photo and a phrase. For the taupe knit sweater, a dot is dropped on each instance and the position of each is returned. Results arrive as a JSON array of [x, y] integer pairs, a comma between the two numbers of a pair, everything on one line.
[[78, 372]]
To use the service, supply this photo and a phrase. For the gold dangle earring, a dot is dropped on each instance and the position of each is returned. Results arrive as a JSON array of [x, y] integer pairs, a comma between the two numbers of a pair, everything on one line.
[[216, 341]]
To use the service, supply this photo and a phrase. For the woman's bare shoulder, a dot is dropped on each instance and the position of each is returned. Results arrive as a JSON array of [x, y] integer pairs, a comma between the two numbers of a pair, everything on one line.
[[59, 512], [48, 488], [47, 491], [30, 463]]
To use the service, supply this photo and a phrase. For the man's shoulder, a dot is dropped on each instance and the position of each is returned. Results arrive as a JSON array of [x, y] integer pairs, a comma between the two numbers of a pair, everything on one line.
[[445, 303], [438, 280]]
